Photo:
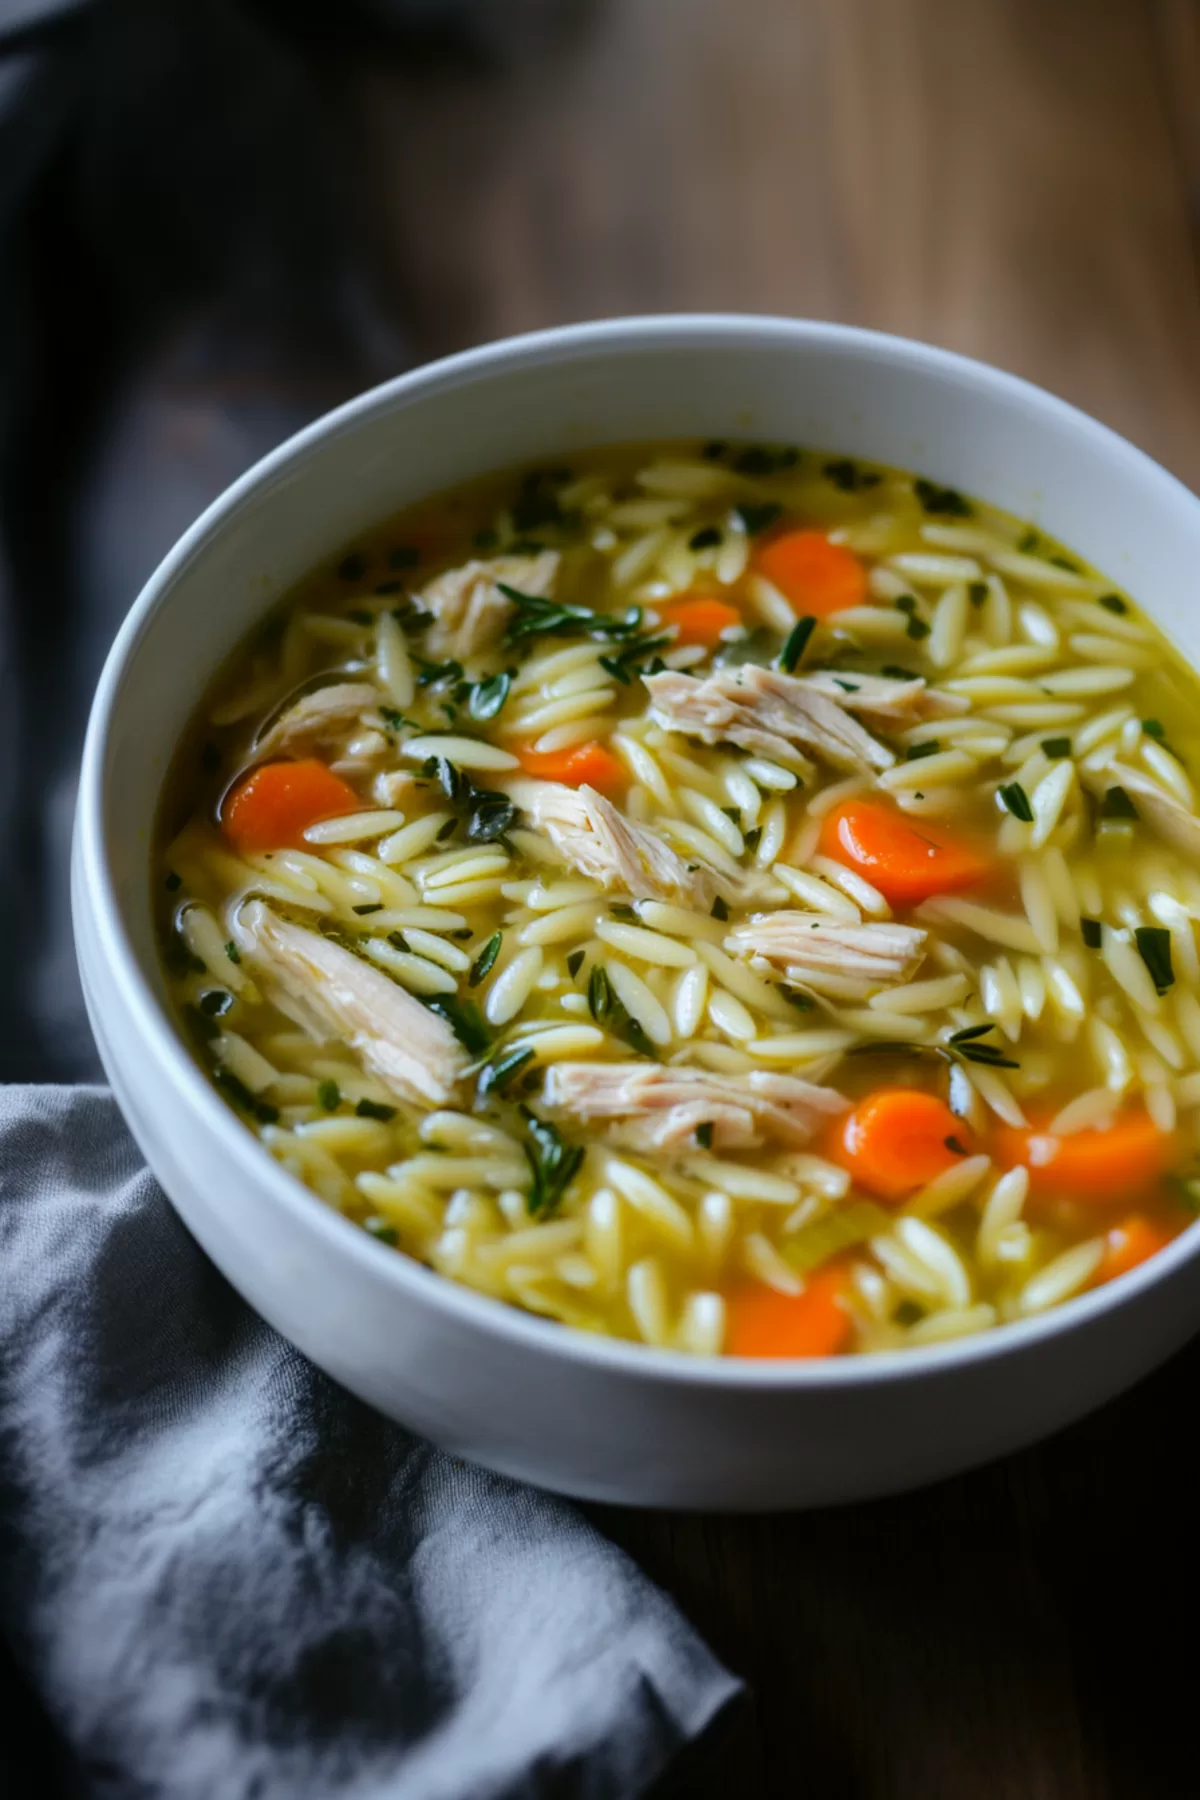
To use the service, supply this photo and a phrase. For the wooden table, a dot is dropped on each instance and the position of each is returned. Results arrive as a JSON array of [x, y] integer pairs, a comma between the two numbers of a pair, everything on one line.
[[1016, 179]]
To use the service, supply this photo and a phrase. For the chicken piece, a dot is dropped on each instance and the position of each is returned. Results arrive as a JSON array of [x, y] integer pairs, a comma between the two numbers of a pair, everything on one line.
[[658, 1108], [333, 995], [321, 717], [469, 611], [1168, 816], [392, 787], [794, 943], [764, 711], [883, 701], [601, 843]]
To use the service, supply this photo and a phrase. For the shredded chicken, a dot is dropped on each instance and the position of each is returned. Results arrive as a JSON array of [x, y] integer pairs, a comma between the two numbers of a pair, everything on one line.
[[318, 718], [392, 787], [795, 943], [469, 611], [885, 701], [602, 844], [331, 994], [765, 711], [657, 1108], [1169, 817]]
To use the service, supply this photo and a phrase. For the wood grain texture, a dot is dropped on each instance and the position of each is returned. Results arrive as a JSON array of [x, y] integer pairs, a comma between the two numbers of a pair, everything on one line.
[[1018, 179]]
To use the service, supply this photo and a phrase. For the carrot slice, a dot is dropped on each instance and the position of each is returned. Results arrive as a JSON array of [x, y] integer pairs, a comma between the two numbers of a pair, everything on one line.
[[1094, 1165], [905, 864], [274, 805], [813, 575], [585, 765], [896, 1140], [698, 618], [761, 1322], [1135, 1240]]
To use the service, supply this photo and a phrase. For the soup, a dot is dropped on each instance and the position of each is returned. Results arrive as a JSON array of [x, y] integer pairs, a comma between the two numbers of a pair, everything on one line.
[[720, 896]]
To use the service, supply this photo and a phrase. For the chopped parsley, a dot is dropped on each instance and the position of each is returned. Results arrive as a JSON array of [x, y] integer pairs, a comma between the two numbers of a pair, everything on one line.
[[795, 644], [704, 1135], [1154, 728], [382, 1229], [483, 962], [916, 752], [553, 1165], [917, 628], [946, 501], [496, 1074], [848, 477], [1057, 746], [1116, 804], [1112, 603], [1016, 800], [329, 1096], [485, 813], [464, 1019], [757, 515], [977, 592], [232, 952], [372, 906], [375, 1109], [1092, 933], [487, 698], [606, 1009], [1154, 948], [575, 962], [719, 909], [707, 538]]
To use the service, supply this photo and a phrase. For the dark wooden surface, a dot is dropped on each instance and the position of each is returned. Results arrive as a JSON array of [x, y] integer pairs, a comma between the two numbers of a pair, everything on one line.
[[1018, 179]]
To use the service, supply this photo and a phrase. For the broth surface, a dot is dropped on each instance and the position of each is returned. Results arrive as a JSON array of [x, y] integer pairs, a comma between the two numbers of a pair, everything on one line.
[[721, 896]]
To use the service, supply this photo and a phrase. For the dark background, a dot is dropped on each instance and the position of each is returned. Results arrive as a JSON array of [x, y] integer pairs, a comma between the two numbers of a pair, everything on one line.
[[282, 211]]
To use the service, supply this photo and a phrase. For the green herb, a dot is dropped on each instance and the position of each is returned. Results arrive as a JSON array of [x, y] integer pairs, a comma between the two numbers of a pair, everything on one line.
[[1154, 728], [483, 962], [382, 1229], [575, 962], [794, 997], [173, 882], [538, 617], [906, 603], [397, 720], [464, 1019], [447, 830], [719, 908], [265, 1113], [487, 698], [916, 752], [707, 538], [372, 906], [329, 1096], [848, 477], [714, 451], [215, 1003], [944, 500], [908, 1313], [407, 556], [398, 941], [1113, 603], [752, 838], [437, 674], [1117, 805], [232, 952], [1015, 798], [917, 628], [1154, 948], [496, 1074], [796, 643], [756, 516], [894, 672], [210, 759], [847, 687], [969, 1033], [628, 659], [962, 1046], [1092, 933], [1029, 543], [607, 1009], [236, 1089], [704, 1135], [375, 1109], [620, 909], [486, 813], [352, 567], [1064, 562], [1055, 747], [552, 1164], [977, 592]]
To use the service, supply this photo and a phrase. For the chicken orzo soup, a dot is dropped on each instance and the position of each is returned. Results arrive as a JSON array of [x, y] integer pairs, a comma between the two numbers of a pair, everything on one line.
[[714, 895]]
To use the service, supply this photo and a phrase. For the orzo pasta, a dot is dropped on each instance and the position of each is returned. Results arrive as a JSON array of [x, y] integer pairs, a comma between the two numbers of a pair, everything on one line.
[[720, 896]]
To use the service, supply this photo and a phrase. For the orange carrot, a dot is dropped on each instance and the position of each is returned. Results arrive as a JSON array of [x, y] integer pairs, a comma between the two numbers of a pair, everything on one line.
[[761, 1322], [813, 575], [699, 618], [585, 765], [1135, 1240], [1094, 1165], [907, 865], [896, 1140], [274, 805]]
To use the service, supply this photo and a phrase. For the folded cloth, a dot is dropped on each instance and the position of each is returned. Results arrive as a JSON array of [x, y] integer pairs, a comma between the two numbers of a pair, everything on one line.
[[232, 1581]]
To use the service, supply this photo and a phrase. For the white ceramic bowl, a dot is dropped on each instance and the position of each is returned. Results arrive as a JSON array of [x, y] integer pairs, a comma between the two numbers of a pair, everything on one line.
[[584, 1415]]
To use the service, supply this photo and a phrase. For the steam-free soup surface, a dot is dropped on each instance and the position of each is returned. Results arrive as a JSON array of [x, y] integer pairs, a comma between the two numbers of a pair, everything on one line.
[[720, 895]]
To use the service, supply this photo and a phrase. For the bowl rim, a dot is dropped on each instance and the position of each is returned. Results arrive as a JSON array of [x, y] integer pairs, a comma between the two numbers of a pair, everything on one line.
[[150, 1021]]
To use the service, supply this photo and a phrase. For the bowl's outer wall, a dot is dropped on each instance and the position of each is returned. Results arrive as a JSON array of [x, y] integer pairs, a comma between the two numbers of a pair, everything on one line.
[[610, 1431]]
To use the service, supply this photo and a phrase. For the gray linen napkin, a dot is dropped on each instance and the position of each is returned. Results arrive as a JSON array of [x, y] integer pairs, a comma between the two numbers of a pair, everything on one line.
[[231, 1581]]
